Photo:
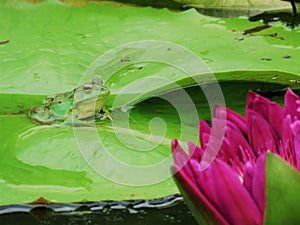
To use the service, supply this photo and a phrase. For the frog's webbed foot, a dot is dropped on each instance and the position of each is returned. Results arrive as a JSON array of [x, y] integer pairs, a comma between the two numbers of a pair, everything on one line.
[[103, 114], [33, 130]]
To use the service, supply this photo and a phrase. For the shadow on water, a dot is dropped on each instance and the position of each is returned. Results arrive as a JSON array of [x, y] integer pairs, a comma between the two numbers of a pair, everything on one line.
[[288, 18]]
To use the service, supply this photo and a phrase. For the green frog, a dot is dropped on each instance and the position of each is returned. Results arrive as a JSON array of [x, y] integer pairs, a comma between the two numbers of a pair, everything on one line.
[[78, 107]]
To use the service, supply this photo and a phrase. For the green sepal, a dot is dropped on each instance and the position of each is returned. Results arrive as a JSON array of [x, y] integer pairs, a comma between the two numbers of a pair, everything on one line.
[[282, 192]]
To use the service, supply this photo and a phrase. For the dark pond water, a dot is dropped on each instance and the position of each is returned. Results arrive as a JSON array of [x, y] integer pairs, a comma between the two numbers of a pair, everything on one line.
[[165, 211]]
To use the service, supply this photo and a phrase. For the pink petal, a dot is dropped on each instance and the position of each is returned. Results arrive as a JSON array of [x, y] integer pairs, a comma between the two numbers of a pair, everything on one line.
[[295, 126], [258, 185], [195, 151], [292, 104], [225, 191], [254, 100], [236, 145], [179, 155], [222, 112], [236, 152], [198, 203], [286, 145], [254, 181], [261, 135], [204, 133], [248, 176], [271, 111], [181, 159], [214, 144], [250, 99]]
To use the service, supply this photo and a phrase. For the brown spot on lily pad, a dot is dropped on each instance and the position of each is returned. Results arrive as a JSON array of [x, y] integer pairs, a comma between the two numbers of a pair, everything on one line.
[[4, 42], [256, 29], [18, 112], [266, 59], [238, 39], [125, 59], [286, 56]]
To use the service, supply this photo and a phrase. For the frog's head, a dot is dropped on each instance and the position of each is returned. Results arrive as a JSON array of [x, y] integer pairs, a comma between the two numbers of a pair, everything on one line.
[[89, 98]]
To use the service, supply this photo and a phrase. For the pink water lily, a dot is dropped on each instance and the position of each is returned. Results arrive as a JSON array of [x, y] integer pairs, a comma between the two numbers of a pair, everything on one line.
[[231, 190]]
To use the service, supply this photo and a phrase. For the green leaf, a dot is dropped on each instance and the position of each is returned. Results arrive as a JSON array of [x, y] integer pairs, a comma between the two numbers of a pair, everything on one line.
[[60, 43], [282, 192], [60, 166]]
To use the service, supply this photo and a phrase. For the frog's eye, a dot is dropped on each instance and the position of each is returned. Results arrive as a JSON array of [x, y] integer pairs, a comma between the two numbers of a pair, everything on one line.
[[87, 88]]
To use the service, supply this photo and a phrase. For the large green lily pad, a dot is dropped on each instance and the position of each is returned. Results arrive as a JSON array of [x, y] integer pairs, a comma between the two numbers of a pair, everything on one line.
[[52, 49]]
